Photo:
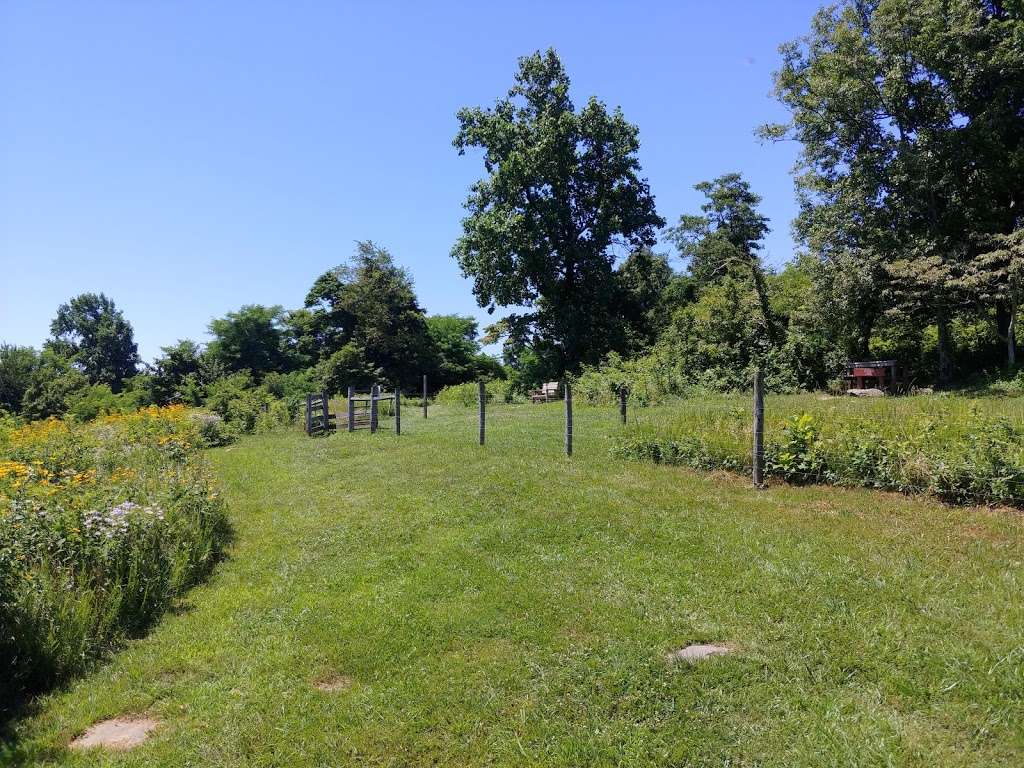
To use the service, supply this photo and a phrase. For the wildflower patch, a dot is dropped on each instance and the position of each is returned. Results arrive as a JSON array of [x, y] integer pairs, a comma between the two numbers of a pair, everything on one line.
[[101, 526]]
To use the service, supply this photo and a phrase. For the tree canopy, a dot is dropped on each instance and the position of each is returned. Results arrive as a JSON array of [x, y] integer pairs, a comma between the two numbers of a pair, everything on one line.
[[370, 303], [250, 339], [910, 116], [562, 190], [95, 337]]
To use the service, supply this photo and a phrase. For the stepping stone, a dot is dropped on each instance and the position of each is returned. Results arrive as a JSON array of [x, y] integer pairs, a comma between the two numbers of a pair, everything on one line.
[[333, 684], [119, 733], [694, 653]]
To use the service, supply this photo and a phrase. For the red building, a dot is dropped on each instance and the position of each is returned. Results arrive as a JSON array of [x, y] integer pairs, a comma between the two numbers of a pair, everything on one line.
[[874, 374]]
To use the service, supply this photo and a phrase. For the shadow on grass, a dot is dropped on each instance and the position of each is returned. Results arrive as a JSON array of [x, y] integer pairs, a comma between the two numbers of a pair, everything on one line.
[[20, 689]]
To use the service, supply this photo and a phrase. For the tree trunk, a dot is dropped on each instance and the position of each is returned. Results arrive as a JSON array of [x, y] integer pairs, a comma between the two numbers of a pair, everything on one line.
[[1011, 335], [945, 374]]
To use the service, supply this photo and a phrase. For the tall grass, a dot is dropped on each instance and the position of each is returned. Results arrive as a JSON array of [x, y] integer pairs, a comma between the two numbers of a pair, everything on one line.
[[961, 449], [101, 526]]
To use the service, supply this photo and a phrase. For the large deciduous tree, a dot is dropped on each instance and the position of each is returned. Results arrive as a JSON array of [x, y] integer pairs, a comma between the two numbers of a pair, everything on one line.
[[911, 118], [562, 190], [369, 303], [250, 339], [16, 367], [93, 334], [726, 239]]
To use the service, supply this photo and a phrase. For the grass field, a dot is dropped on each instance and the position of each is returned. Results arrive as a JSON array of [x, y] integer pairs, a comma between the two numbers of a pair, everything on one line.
[[505, 605]]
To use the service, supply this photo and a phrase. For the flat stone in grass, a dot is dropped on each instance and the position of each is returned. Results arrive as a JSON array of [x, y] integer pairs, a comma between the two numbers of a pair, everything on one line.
[[333, 683], [691, 654], [118, 733]]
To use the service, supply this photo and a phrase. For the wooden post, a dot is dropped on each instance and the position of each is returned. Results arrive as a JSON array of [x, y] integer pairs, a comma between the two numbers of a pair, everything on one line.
[[351, 408], [398, 411], [374, 392], [309, 414], [482, 397], [758, 453], [623, 394], [568, 419], [424, 396], [327, 413]]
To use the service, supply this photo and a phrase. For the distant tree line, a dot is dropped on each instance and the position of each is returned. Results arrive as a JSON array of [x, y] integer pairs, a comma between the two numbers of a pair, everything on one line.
[[910, 119], [361, 324]]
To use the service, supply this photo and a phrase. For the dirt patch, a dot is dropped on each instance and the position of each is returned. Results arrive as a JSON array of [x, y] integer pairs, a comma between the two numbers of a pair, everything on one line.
[[333, 683], [691, 654], [118, 733]]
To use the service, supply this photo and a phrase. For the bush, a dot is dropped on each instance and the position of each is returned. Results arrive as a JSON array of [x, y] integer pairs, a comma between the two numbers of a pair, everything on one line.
[[238, 401], [101, 526], [98, 400], [468, 393]]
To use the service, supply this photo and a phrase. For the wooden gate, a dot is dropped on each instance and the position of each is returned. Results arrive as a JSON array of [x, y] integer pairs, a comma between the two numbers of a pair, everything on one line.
[[319, 419]]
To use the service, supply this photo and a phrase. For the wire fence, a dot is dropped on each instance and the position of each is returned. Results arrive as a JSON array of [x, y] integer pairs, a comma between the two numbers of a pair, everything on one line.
[[953, 448]]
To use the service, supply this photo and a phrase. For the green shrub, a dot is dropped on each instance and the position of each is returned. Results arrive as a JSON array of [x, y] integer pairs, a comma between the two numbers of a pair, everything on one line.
[[468, 393], [238, 401]]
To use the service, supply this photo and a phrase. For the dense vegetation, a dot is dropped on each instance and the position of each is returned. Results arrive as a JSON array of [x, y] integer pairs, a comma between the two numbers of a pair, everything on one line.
[[959, 449], [361, 324], [102, 525]]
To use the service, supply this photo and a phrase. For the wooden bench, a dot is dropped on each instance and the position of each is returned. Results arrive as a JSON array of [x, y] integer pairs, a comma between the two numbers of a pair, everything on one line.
[[548, 391]]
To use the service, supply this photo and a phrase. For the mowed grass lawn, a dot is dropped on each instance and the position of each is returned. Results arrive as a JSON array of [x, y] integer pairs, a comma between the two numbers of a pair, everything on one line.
[[507, 605]]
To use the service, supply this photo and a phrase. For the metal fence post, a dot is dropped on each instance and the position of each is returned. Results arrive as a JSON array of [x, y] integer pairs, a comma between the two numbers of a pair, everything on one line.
[[482, 397], [351, 408], [568, 419], [758, 452], [398, 410], [374, 391]]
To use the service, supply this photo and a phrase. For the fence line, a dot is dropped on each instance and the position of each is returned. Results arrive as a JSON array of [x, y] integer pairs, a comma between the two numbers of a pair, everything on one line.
[[706, 435]]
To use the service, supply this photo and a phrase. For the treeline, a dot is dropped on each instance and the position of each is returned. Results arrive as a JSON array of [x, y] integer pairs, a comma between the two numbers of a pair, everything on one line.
[[910, 119], [361, 323]]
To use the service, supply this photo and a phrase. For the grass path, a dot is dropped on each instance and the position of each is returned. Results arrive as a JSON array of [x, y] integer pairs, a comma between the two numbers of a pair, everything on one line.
[[508, 606]]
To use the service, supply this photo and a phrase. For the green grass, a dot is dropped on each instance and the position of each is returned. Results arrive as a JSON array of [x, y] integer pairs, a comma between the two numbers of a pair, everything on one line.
[[506, 605]]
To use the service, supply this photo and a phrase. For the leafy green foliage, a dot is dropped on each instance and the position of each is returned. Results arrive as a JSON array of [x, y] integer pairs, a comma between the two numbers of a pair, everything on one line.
[[348, 367], [16, 366], [468, 393], [250, 339], [93, 334], [96, 540], [909, 118], [54, 385], [369, 303], [958, 449], [562, 188]]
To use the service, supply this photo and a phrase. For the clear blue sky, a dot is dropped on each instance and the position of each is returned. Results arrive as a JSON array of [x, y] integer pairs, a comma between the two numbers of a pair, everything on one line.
[[188, 158]]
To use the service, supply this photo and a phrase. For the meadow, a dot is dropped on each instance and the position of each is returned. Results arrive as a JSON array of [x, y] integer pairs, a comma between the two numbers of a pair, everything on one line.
[[102, 526], [422, 600], [967, 450]]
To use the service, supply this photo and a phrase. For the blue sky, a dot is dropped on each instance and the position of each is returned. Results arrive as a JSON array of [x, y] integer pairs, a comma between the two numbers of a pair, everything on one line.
[[188, 158]]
